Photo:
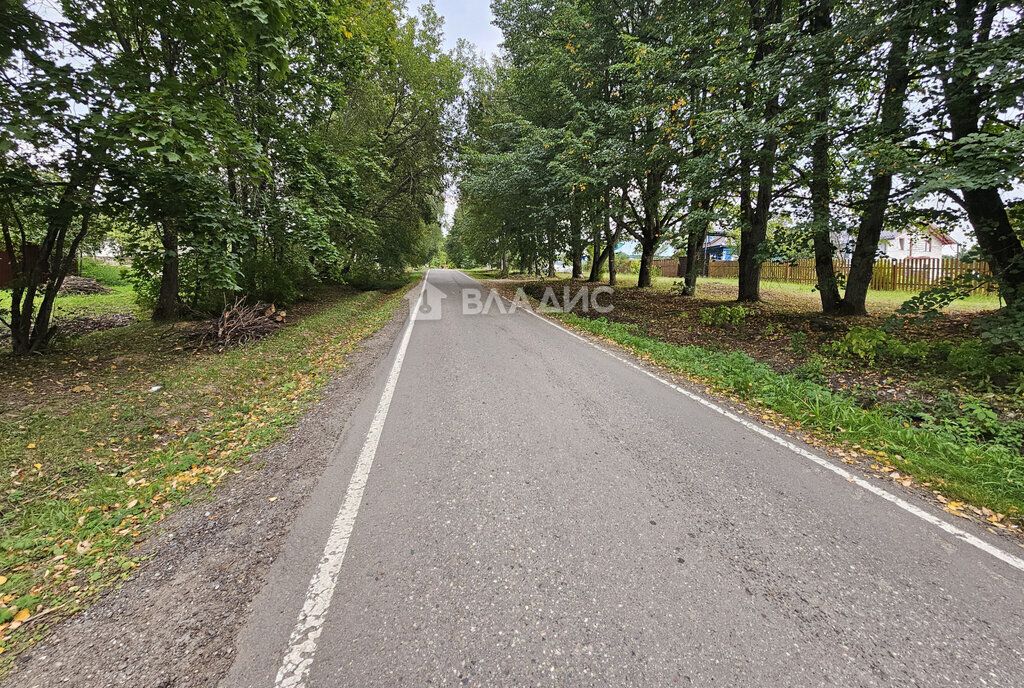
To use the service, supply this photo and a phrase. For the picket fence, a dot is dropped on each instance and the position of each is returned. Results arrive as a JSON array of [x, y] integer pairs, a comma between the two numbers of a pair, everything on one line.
[[909, 274]]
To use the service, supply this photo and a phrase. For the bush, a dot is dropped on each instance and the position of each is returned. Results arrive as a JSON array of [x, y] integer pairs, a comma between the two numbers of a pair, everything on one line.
[[813, 370], [963, 418], [281, 282], [723, 315], [871, 343], [979, 361], [798, 343]]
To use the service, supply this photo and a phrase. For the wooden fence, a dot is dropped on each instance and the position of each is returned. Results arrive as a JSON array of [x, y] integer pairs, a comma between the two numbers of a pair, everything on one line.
[[910, 274], [669, 267]]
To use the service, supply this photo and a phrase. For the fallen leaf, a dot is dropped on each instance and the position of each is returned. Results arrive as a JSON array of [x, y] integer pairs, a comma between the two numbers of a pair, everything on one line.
[[83, 547], [32, 446], [20, 618], [3, 579], [81, 388]]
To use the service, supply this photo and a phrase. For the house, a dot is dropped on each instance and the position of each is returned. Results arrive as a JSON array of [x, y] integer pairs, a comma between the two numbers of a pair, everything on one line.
[[929, 243], [719, 247]]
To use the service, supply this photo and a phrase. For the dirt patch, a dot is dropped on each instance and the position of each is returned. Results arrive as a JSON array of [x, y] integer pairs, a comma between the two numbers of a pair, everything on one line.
[[82, 285], [83, 324], [174, 622]]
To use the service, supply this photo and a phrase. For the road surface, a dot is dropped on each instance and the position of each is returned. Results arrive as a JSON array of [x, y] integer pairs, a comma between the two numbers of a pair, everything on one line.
[[533, 511]]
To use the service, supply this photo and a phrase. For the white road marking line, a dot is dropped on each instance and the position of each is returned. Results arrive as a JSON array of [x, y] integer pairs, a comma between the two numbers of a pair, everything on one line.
[[302, 644], [959, 533]]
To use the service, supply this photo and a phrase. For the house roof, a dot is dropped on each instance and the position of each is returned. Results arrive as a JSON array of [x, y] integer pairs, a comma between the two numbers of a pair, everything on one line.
[[929, 229]]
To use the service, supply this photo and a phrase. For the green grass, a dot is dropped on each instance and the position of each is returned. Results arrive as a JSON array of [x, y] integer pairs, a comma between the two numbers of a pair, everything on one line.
[[77, 494], [121, 299], [986, 476], [103, 272]]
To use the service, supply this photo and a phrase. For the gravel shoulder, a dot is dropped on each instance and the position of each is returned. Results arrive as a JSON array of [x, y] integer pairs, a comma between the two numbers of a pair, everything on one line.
[[175, 622]]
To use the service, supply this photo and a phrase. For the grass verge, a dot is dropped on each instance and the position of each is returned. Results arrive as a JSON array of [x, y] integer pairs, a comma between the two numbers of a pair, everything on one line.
[[990, 477], [85, 472]]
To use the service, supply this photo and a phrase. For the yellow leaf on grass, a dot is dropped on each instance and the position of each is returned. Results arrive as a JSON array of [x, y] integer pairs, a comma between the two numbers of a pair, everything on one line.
[[32, 446], [3, 579], [81, 388], [20, 618], [83, 547]]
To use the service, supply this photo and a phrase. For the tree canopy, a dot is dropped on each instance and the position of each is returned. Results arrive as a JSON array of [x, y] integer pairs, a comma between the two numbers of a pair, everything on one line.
[[803, 125], [259, 146]]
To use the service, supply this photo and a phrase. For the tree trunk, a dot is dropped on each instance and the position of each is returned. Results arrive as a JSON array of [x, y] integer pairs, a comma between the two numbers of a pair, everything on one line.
[[872, 219], [167, 300], [31, 330], [754, 208], [646, 256], [600, 255], [821, 164], [985, 207], [577, 244], [695, 239], [551, 255]]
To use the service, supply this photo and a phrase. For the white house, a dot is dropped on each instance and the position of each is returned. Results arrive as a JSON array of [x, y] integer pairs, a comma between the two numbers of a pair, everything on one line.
[[929, 243]]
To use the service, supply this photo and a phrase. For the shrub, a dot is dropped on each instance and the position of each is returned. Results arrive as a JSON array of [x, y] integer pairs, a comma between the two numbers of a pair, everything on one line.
[[278, 281], [980, 362], [813, 370], [722, 315], [870, 343], [963, 418], [798, 343]]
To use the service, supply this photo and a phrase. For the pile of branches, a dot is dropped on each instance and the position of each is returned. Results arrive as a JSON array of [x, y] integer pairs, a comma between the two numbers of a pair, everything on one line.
[[81, 285], [241, 323]]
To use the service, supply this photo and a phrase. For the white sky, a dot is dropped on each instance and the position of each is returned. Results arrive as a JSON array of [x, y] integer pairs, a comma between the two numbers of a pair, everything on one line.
[[469, 19]]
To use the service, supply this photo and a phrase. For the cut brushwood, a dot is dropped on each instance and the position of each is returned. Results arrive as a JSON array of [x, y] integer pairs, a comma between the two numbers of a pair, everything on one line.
[[241, 323]]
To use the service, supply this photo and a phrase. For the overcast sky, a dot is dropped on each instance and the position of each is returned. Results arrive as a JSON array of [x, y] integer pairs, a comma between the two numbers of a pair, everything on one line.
[[469, 19]]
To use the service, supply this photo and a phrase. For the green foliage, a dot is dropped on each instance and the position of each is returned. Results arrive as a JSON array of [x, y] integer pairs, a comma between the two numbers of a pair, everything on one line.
[[1004, 328], [717, 316], [930, 302], [798, 343], [960, 416], [871, 343], [260, 146], [281, 281], [812, 370], [981, 363]]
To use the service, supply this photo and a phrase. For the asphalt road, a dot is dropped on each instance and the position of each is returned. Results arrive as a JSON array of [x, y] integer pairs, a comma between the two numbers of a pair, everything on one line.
[[540, 513]]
